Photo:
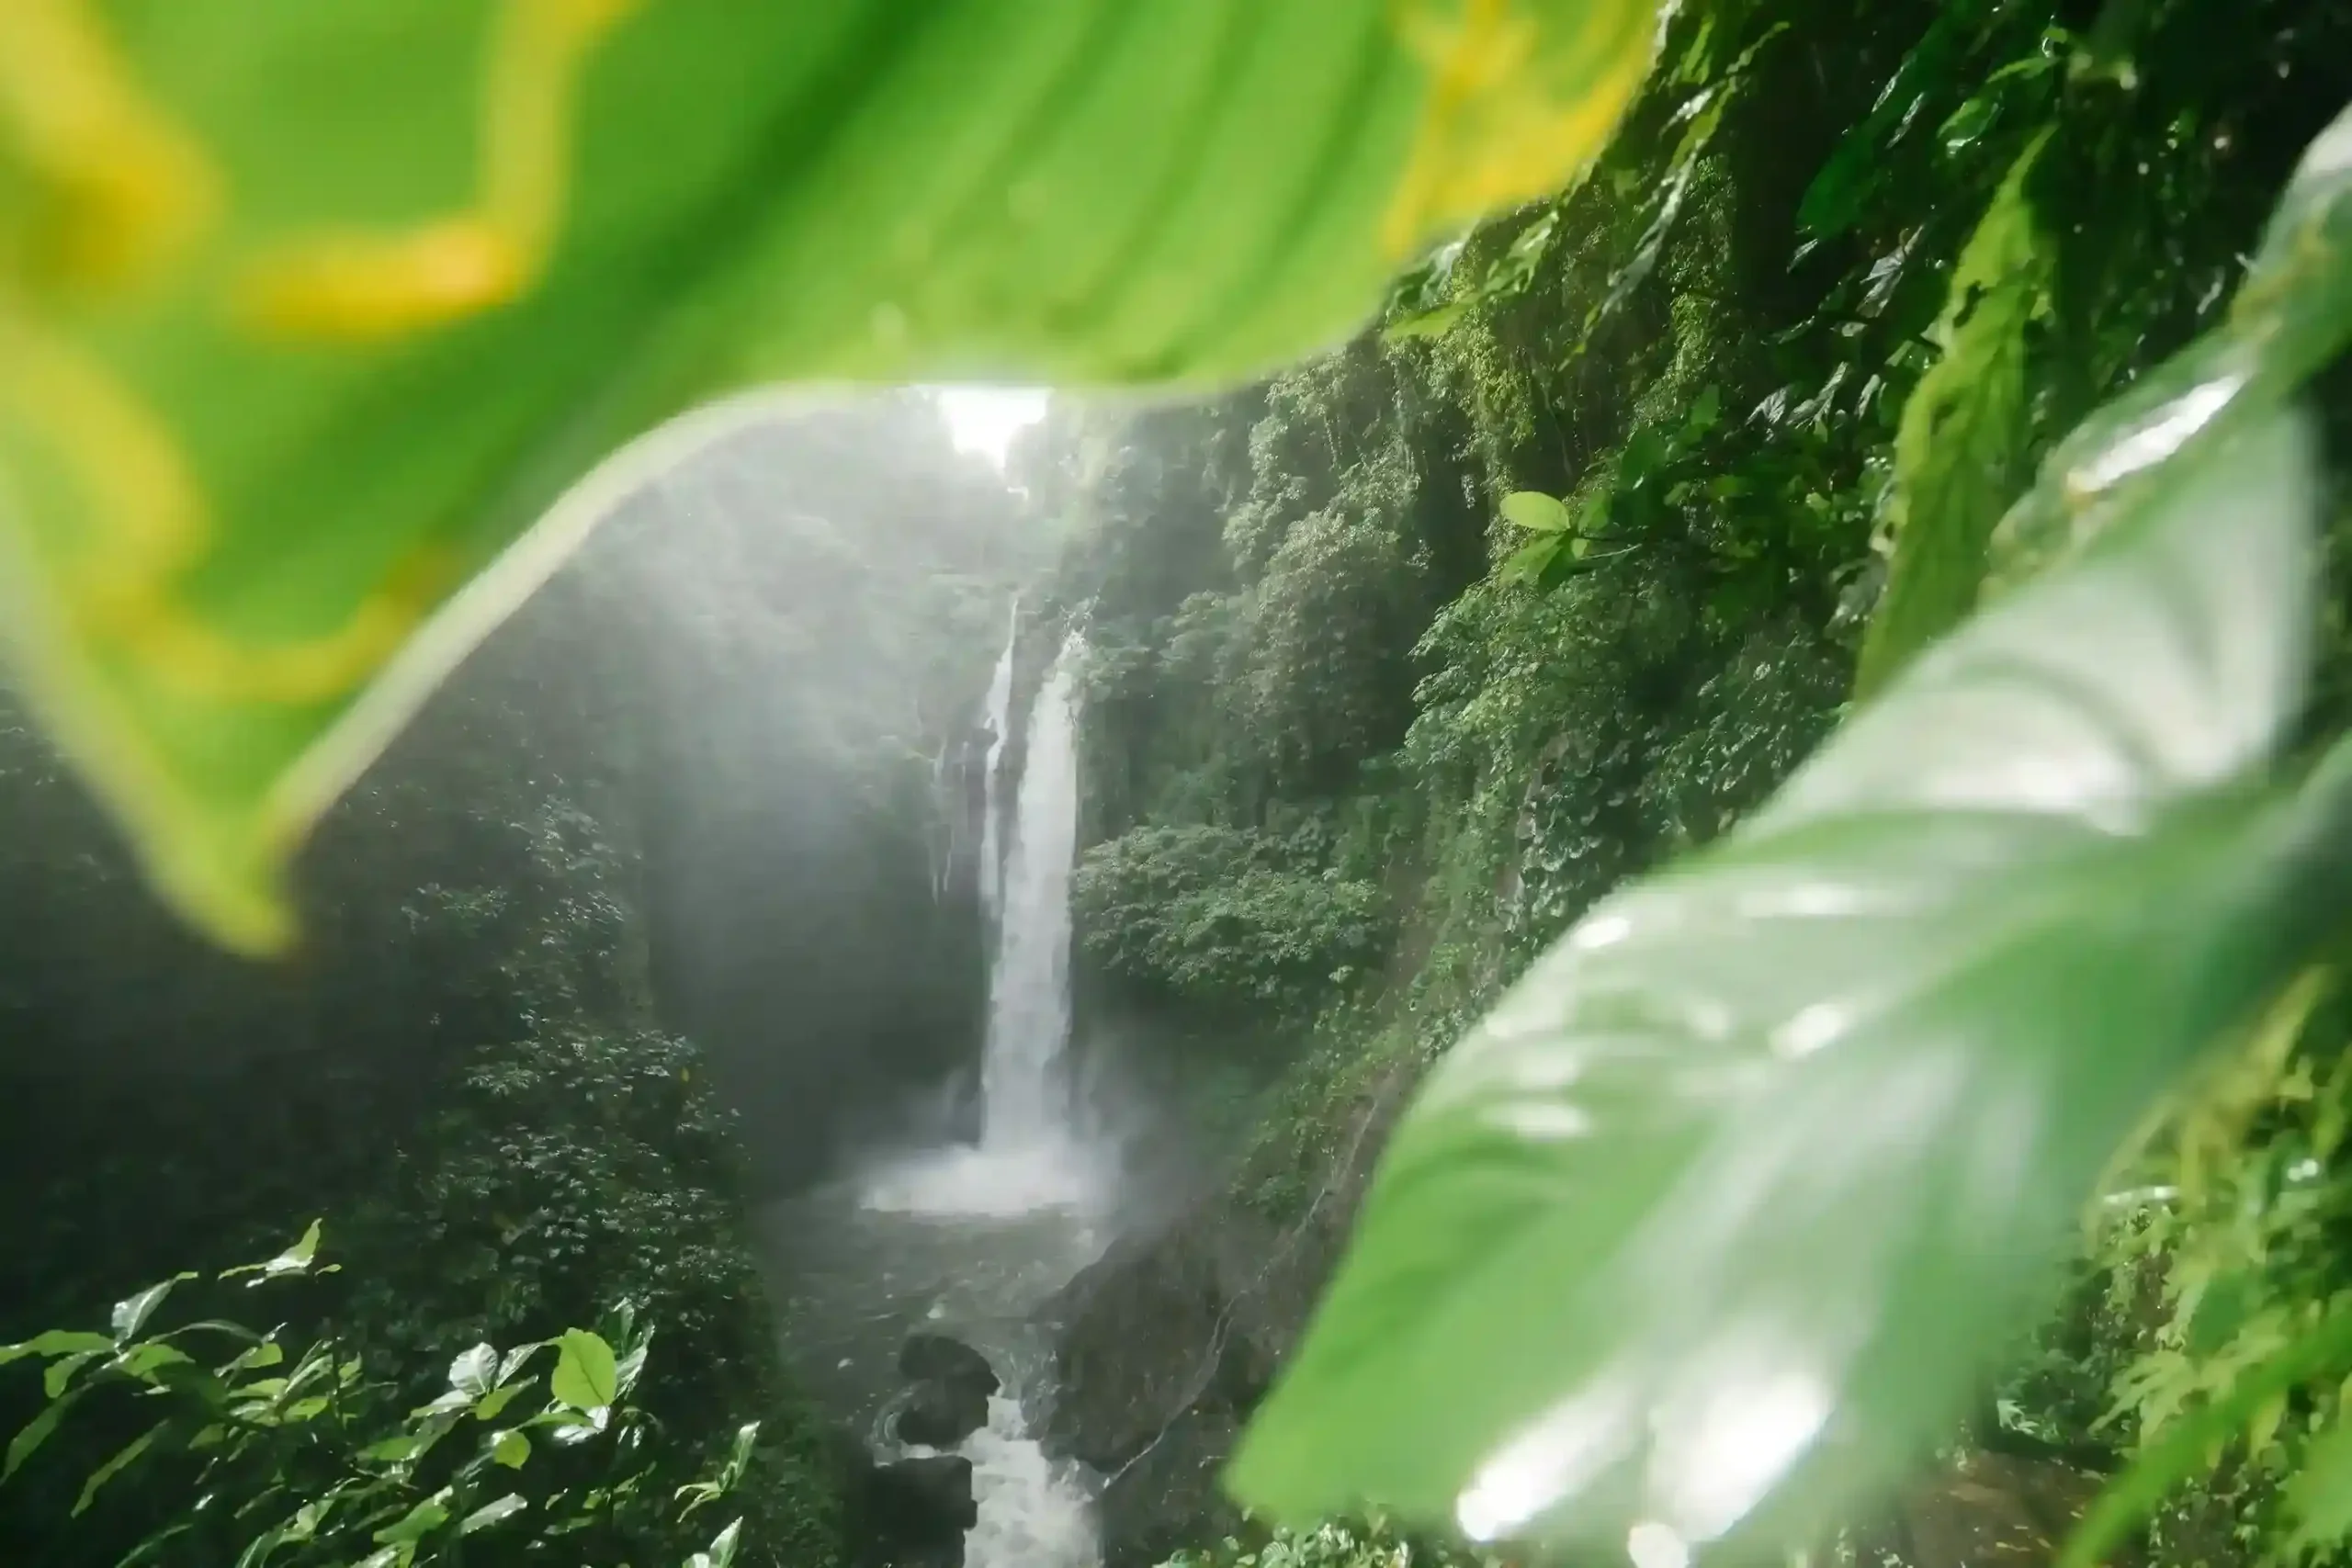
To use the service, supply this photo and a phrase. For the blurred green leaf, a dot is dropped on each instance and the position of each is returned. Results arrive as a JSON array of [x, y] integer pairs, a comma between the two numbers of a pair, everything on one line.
[[1716, 1219], [1960, 450], [511, 1449], [36, 1432], [2320, 1497], [262, 501], [121, 1461]]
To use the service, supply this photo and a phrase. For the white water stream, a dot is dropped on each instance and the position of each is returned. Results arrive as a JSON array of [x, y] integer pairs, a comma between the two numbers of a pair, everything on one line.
[[970, 1239]]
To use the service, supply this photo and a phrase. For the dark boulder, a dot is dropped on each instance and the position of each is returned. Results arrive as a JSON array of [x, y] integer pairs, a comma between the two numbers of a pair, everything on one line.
[[940, 1414], [912, 1513], [938, 1358], [950, 1399]]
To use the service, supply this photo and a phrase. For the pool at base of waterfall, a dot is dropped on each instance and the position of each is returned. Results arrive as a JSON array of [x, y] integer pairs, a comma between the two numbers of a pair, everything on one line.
[[859, 1264]]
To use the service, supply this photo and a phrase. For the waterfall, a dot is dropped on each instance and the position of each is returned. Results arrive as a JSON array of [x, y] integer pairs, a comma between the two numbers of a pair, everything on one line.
[[1024, 1092], [999, 719], [1036, 1151], [1019, 1213]]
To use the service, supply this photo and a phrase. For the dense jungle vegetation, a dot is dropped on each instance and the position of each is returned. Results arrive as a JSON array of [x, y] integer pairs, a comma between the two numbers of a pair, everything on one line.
[[473, 1076], [1400, 660], [1944, 392]]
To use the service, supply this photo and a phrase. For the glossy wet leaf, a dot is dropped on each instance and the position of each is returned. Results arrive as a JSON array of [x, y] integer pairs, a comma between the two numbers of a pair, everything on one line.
[[131, 1312], [2290, 316], [491, 1513], [475, 1374], [1716, 1219], [56, 1342], [417, 1523], [1840, 191], [311, 336], [295, 1260], [1960, 451], [586, 1377]]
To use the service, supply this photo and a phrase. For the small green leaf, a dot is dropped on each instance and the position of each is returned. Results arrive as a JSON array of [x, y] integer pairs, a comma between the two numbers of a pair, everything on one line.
[[399, 1446], [488, 1514], [143, 1361], [58, 1374], [1960, 452], [585, 1375], [268, 1353], [511, 1449], [497, 1400], [121, 1461], [1532, 559], [629, 1369], [1718, 1218], [55, 1342], [295, 1260], [417, 1523], [1535, 511], [723, 1545], [130, 1313], [1705, 411], [36, 1432], [474, 1373], [515, 1359]]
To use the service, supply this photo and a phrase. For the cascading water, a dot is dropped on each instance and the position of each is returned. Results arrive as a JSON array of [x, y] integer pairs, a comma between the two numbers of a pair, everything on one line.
[[1035, 1149], [971, 1239], [999, 719], [1026, 1102]]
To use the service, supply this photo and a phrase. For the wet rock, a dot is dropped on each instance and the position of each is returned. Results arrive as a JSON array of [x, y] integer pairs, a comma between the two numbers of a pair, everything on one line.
[[940, 1358], [940, 1414], [1166, 1498], [1160, 1324], [950, 1399], [1163, 1346], [912, 1513]]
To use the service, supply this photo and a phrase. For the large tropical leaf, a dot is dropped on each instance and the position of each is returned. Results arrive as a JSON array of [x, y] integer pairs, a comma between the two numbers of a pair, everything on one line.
[[310, 314], [1719, 1217], [2292, 317]]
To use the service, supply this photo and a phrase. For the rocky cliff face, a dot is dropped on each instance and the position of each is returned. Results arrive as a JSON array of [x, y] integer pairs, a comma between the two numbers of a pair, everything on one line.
[[1164, 1346]]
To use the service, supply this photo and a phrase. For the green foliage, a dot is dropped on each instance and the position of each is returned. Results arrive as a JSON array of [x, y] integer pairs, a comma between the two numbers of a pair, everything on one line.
[[1964, 913], [1224, 919], [2000, 913], [279, 403], [1375, 1544], [257, 1452]]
